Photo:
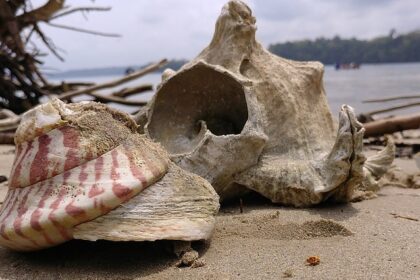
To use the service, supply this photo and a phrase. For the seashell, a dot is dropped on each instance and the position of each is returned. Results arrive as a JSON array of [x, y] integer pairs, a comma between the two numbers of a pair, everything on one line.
[[181, 206], [77, 162], [243, 118]]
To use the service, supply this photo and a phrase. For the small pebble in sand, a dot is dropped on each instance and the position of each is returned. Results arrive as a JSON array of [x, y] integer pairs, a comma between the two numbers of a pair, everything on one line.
[[190, 259], [275, 215], [313, 260]]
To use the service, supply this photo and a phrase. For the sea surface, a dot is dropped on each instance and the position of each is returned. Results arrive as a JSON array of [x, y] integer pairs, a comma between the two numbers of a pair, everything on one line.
[[342, 87]]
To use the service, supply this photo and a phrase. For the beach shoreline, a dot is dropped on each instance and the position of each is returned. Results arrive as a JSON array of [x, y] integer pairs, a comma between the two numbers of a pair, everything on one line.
[[372, 239]]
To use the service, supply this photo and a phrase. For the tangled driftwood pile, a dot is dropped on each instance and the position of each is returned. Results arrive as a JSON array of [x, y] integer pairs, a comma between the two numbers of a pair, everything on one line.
[[22, 84], [234, 119]]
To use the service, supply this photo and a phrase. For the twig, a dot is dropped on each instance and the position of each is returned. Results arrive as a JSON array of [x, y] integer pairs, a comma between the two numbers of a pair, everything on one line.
[[29, 35], [47, 42], [135, 75], [241, 206], [393, 108], [404, 217], [80, 9], [65, 86], [84, 30], [40, 76], [125, 92], [110, 98], [391, 98]]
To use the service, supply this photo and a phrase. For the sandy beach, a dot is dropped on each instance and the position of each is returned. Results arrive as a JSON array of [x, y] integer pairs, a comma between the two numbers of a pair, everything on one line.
[[373, 239]]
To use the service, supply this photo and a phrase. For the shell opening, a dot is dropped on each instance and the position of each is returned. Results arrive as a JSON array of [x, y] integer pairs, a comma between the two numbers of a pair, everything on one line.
[[194, 101]]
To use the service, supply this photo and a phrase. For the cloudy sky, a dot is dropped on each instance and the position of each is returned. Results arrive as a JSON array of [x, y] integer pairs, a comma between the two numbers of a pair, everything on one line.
[[155, 29]]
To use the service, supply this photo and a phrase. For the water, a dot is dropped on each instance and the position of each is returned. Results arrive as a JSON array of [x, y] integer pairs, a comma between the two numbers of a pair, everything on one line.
[[372, 81], [342, 87]]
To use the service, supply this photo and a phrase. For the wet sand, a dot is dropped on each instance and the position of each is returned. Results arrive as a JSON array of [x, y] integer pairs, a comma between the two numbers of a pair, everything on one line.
[[373, 239]]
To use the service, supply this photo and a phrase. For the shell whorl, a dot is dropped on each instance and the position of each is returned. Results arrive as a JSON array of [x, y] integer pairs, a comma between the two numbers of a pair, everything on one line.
[[71, 167]]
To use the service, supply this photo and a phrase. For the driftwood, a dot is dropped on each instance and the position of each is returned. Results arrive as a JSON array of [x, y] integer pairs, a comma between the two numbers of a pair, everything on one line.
[[368, 117], [20, 56], [391, 125], [125, 92], [115, 99], [389, 109], [8, 120], [66, 86], [7, 138], [393, 98], [135, 75]]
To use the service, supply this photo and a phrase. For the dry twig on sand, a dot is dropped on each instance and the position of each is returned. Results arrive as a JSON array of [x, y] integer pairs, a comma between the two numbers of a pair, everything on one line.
[[404, 217]]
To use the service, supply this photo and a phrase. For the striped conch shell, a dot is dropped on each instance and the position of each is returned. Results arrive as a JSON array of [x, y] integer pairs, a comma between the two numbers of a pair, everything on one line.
[[75, 163]]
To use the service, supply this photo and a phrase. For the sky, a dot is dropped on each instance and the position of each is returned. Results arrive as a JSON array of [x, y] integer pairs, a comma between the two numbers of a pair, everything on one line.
[[176, 29]]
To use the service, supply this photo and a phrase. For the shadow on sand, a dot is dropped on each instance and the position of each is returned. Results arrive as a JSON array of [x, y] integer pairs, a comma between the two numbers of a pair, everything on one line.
[[92, 260]]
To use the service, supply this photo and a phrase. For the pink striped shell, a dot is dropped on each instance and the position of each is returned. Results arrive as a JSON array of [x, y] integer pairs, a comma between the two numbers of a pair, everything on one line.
[[73, 163]]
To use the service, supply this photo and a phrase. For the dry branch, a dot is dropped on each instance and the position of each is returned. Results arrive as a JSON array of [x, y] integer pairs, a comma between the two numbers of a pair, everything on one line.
[[7, 138], [119, 100], [8, 120], [393, 98], [135, 75], [19, 56], [125, 92], [47, 42], [80, 9], [83, 30], [391, 125], [66, 86], [43, 13], [393, 108]]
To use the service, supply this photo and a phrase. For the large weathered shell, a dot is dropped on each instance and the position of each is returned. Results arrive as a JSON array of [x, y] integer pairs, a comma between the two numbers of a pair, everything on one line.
[[75, 163], [240, 116]]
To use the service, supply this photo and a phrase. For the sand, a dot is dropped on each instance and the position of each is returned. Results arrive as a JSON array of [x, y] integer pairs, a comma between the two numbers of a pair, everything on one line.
[[372, 239]]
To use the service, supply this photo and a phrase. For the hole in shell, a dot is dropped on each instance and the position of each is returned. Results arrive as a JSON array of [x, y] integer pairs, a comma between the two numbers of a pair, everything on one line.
[[193, 101]]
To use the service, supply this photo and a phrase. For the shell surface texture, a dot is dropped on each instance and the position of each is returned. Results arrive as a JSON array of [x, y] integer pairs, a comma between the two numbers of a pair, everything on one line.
[[73, 163], [245, 119]]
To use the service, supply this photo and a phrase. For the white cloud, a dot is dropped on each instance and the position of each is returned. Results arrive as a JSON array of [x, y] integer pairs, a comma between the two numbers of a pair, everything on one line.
[[181, 28]]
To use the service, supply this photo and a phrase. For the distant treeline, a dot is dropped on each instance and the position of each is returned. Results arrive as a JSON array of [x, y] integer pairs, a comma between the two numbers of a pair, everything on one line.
[[391, 48]]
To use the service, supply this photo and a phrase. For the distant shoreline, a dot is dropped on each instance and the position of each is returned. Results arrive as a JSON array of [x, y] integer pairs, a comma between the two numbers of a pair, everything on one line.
[[120, 70], [384, 49], [111, 70]]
